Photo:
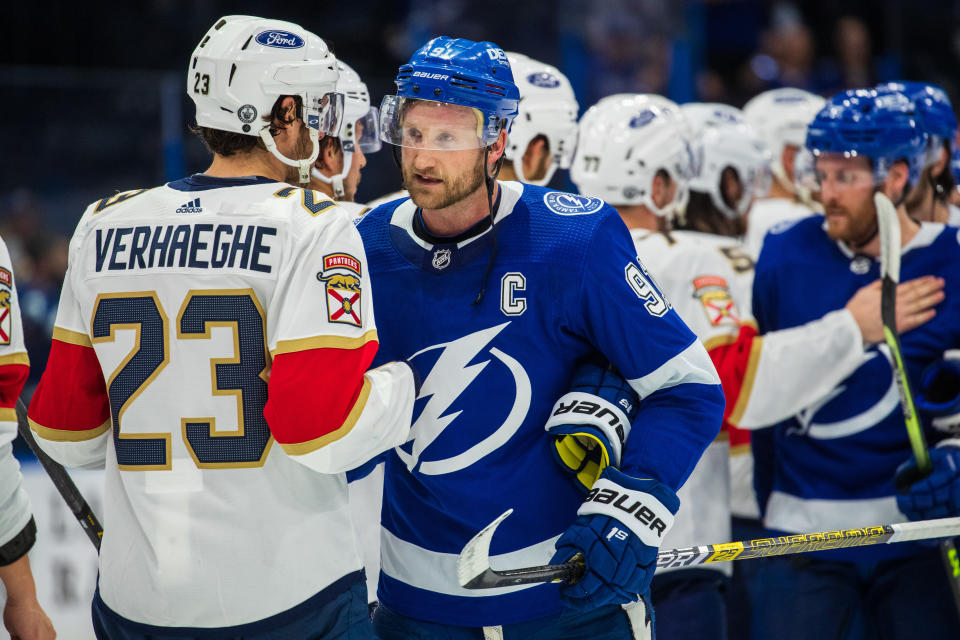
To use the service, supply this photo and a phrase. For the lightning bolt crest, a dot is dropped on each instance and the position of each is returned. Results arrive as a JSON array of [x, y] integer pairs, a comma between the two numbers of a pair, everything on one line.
[[447, 380]]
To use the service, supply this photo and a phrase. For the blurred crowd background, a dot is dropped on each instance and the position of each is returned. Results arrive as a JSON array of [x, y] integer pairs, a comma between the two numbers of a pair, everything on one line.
[[95, 100]]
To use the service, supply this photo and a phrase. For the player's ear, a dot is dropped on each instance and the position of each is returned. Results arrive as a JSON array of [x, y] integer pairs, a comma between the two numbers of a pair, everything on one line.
[[787, 156], [497, 149], [896, 181], [941, 163]]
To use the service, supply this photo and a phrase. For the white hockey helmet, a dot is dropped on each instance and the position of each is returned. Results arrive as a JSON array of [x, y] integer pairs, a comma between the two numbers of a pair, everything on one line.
[[244, 63], [359, 127], [722, 139], [625, 139], [548, 108], [781, 116]]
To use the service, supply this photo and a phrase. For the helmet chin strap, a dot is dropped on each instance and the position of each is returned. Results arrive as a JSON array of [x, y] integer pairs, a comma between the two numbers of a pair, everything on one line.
[[336, 181], [304, 164]]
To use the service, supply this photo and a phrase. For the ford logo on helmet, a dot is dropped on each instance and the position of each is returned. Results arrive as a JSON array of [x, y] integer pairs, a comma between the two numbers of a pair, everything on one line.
[[644, 118], [543, 79], [280, 39]]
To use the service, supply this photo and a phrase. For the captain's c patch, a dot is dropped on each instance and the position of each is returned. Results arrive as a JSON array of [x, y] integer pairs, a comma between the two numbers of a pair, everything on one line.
[[341, 275]]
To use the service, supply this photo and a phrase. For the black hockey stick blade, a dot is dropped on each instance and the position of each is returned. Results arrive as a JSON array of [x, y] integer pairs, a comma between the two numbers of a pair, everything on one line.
[[475, 572], [62, 481]]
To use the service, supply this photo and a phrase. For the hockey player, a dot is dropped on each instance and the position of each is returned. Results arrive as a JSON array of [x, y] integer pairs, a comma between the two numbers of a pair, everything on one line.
[[834, 462], [781, 117], [336, 172], [199, 322], [635, 153], [506, 287], [23, 616], [927, 201], [544, 133]]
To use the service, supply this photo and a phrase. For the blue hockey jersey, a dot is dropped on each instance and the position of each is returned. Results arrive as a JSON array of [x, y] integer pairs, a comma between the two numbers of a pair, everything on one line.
[[565, 283], [832, 465]]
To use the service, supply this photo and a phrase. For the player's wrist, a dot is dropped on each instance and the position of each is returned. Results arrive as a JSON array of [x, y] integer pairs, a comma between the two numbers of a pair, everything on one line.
[[645, 506]]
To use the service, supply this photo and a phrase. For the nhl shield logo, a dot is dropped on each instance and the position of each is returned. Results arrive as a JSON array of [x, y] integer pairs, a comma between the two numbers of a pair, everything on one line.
[[441, 258], [714, 295], [6, 317], [341, 275]]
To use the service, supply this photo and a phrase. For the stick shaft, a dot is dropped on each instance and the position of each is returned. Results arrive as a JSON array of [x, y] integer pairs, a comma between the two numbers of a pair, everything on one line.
[[62, 481]]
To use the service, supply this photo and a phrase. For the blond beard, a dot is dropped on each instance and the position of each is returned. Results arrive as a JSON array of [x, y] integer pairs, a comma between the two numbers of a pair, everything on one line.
[[452, 193]]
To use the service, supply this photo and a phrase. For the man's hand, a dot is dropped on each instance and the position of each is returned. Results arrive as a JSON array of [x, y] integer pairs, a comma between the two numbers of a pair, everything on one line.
[[915, 301], [22, 615], [936, 495], [619, 528], [590, 423]]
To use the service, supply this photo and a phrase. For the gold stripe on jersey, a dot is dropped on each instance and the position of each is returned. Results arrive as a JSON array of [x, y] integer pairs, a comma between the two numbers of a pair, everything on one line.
[[323, 342], [8, 415], [740, 449], [67, 435], [748, 379], [728, 338], [72, 337], [301, 448], [15, 358]]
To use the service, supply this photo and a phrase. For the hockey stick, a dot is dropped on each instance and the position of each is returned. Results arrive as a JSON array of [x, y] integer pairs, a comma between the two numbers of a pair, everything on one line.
[[474, 571], [61, 480], [889, 226]]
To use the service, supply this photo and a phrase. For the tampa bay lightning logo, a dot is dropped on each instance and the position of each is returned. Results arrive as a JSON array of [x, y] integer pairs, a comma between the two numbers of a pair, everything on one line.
[[642, 119], [543, 79], [571, 204], [861, 402], [279, 39], [457, 366]]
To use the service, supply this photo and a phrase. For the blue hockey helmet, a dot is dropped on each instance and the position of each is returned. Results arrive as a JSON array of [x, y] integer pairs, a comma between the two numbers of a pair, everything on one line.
[[453, 71], [866, 123], [933, 107]]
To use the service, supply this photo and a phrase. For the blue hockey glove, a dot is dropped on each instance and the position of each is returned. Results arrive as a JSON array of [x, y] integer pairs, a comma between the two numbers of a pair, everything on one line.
[[619, 528], [590, 423], [936, 495], [938, 396]]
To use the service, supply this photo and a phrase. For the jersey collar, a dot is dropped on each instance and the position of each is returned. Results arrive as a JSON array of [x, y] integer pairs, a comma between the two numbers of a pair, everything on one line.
[[203, 182]]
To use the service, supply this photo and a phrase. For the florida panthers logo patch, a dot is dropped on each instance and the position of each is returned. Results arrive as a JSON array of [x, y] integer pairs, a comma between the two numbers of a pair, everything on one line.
[[6, 319], [341, 275], [714, 295]]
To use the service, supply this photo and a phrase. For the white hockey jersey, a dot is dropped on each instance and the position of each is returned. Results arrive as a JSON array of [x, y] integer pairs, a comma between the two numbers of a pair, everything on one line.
[[200, 322], [14, 368], [768, 213]]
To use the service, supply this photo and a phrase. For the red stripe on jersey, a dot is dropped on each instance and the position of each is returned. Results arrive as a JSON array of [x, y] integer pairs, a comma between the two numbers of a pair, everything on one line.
[[12, 379], [72, 394], [312, 392], [732, 361]]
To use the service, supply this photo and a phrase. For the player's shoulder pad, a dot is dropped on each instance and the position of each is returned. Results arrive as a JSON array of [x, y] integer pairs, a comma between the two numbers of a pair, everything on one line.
[[380, 213], [791, 233], [564, 210]]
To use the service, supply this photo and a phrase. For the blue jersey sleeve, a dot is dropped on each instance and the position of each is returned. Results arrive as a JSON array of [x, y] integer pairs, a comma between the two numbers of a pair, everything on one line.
[[764, 290], [620, 310]]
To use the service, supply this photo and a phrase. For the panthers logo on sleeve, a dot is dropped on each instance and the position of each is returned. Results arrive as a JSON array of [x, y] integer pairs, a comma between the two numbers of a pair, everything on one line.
[[6, 316], [714, 295], [341, 275]]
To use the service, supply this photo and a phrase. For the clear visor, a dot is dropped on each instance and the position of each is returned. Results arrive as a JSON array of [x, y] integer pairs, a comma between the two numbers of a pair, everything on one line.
[[323, 112], [831, 170], [363, 133], [565, 138], [804, 171], [425, 124]]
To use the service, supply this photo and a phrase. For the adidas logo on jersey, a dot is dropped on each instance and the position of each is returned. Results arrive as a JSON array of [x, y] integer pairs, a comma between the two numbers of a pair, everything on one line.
[[191, 207]]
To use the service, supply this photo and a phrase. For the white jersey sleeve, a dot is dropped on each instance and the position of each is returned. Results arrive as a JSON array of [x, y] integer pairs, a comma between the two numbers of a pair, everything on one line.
[[14, 367]]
